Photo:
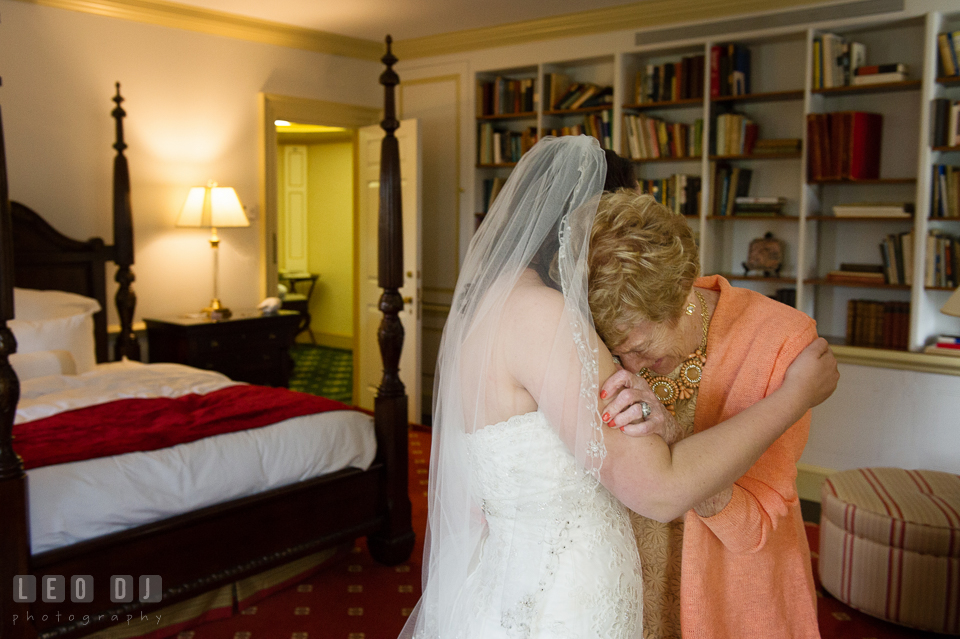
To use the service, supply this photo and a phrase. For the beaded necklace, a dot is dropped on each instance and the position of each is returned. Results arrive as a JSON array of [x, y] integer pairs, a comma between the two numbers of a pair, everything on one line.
[[668, 390]]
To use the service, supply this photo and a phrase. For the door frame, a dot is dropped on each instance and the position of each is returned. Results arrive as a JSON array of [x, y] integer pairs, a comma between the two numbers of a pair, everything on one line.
[[303, 111]]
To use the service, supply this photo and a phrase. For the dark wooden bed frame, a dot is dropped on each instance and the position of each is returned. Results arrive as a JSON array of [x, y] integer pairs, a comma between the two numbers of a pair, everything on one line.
[[200, 550]]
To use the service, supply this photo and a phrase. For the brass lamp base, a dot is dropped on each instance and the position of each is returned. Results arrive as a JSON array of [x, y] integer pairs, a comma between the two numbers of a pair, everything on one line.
[[217, 311]]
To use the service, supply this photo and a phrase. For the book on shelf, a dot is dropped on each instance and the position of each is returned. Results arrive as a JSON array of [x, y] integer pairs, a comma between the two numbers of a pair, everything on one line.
[[878, 324], [893, 210], [736, 134], [939, 349], [946, 192], [503, 96], [776, 146], [499, 146], [596, 124], [730, 183], [879, 78], [943, 260], [953, 340], [580, 93], [651, 138], [857, 277], [729, 70], [844, 145], [670, 81], [896, 253], [946, 122], [679, 193], [758, 206], [835, 60], [555, 86], [948, 46]]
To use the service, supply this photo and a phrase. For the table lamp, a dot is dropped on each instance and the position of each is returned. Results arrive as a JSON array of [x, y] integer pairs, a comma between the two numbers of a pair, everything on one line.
[[213, 207]]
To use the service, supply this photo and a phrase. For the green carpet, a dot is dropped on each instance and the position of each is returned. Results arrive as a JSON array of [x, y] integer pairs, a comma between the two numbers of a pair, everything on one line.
[[323, 371]]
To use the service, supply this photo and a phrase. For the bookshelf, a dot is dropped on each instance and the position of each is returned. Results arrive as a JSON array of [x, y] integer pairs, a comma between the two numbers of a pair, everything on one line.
[[780, 96]]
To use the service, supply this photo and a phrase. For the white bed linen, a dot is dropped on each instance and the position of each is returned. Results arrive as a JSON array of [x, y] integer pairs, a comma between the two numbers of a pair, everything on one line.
[[85, 499]]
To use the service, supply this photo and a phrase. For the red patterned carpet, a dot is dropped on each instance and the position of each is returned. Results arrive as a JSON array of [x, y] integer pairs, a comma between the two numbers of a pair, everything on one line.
[[356, 598]]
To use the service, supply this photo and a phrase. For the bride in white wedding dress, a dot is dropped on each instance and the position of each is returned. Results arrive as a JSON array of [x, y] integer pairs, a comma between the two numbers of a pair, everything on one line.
[[528, 535]]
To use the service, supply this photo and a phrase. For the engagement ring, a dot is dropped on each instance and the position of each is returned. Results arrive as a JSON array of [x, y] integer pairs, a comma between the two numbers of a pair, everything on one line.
[[645, 410]]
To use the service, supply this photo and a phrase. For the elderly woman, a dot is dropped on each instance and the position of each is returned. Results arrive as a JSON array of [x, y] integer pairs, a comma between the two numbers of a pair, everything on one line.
[[708, 351]]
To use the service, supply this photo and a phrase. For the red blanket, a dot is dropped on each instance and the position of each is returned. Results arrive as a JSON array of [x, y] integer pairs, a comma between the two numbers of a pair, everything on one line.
[[129, 425]]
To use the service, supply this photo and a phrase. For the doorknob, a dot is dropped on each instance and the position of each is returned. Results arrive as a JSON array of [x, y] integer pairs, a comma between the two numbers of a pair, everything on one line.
[[408, 300]]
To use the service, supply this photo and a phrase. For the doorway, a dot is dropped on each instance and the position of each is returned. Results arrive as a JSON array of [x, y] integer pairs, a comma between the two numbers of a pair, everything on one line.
[[309, 222]]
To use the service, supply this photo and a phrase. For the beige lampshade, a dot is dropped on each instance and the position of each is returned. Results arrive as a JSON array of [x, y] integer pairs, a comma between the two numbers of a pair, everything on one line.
[[212, 206], [952, 307]]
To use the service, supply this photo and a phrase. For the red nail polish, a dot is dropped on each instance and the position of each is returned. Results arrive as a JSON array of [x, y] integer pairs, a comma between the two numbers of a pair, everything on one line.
[[606, 417], [621, 428], [603, 394]]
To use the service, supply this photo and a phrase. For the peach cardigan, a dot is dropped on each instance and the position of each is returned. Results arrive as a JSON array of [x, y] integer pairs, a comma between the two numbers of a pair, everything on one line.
[[746, 571]]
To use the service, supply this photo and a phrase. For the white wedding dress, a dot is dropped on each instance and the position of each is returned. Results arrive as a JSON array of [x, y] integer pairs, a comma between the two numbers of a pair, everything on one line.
[[567, 542]]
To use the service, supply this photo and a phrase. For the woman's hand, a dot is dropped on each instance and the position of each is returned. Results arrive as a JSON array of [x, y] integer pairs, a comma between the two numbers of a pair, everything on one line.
[[625, 411], [813, 374]]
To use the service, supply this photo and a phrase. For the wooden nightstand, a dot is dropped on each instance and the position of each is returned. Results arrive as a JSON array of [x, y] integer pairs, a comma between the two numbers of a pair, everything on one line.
[[248, 347]]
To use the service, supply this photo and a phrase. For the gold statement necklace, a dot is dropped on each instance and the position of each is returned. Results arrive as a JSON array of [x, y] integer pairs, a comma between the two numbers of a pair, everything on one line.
[[668, 390]]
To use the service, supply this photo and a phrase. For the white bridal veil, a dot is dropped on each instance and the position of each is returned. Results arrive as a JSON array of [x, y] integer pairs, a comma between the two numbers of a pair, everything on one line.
[[541, 220]]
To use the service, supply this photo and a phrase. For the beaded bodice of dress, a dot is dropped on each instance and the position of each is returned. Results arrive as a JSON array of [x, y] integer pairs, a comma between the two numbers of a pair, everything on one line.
[[556, 526]]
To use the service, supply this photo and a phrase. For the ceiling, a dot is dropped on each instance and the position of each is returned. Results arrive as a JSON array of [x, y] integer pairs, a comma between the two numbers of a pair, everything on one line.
[[402, 19]]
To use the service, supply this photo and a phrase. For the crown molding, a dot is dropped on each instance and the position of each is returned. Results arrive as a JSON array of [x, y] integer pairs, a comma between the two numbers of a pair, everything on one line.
[[639, 15], [169, 14]]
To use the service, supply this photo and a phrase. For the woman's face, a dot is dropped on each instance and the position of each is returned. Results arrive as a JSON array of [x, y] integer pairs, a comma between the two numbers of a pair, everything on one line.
[[657, 346]]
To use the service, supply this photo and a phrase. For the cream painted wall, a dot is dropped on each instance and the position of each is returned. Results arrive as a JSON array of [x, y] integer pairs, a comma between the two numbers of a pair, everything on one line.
[[191, 101], [330, 228]]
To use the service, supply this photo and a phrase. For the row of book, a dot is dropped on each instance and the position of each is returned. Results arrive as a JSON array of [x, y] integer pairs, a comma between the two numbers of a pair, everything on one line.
[[736, 134], [563, 95], [844, 145], [878, 324], [651, 138], [670, 81], [835, 60], [501, 147], [729, 70], [679, 193], [943, 260], [505, 96], [597, 125], [946, 122], [946, 191], [949, 46]]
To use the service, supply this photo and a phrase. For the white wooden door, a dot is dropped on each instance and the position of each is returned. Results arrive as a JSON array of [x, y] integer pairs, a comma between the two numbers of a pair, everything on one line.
[[367, 361], [293, 254]]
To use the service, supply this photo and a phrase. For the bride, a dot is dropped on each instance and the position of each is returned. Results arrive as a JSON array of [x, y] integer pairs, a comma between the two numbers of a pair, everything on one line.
[[528, 535]]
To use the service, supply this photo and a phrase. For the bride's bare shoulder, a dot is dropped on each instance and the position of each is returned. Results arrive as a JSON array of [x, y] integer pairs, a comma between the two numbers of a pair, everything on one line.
[[532, 302]]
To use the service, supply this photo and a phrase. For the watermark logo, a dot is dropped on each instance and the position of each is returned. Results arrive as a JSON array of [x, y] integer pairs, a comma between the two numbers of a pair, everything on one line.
[[53, 589]]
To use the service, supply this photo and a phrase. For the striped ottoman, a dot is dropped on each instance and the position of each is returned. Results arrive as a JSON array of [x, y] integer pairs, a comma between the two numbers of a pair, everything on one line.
[[890, 545]]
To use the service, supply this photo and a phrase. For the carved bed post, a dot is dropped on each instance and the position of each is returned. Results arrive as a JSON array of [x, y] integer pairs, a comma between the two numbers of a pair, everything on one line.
[[394, 542], [126, 299], [14, 540]]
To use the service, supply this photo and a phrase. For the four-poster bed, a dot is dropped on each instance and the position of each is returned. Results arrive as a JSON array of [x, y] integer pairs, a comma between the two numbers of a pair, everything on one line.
[[202, 549]]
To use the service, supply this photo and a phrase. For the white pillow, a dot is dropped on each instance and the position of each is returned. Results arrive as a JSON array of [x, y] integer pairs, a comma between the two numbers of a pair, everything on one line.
[[30, 304], [55, 320], [42, 363]]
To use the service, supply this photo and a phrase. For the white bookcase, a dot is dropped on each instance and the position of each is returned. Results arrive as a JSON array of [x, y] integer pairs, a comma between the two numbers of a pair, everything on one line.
[[782, 95]]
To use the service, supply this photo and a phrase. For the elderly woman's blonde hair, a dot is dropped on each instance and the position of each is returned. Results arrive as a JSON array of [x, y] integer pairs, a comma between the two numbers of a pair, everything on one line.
[[643, 262]]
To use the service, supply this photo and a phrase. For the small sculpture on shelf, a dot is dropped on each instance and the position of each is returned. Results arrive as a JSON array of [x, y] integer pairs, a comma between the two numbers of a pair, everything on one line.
[[765, 254]]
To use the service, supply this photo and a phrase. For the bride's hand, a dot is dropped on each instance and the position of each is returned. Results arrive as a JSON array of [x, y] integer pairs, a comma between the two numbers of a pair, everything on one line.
[[813, 374], [629, 394]]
